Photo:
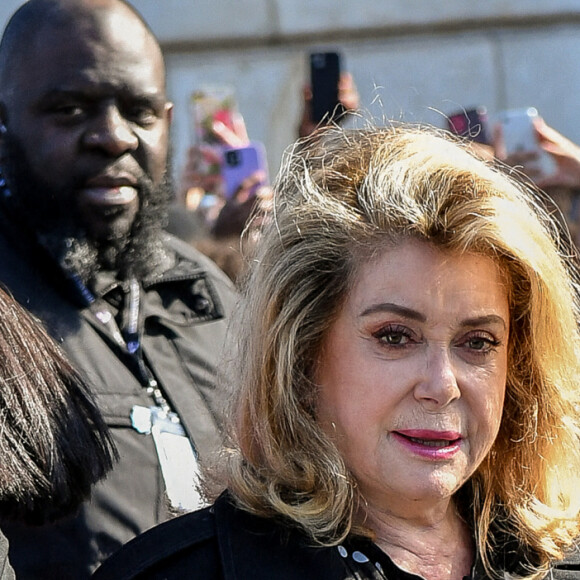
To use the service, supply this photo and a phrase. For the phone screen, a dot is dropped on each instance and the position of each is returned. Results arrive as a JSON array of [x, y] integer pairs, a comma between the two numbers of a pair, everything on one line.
[[324, 77]]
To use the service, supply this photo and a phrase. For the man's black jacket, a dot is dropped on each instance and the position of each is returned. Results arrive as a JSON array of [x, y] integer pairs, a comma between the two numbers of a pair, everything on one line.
[[185, 314]]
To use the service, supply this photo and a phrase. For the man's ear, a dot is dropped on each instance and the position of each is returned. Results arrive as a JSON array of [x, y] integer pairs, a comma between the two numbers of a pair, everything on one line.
[[3, 129], [2, 118], [168, 112]]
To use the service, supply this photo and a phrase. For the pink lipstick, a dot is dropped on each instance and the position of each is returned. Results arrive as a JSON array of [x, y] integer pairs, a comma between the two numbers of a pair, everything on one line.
[[429, 444]]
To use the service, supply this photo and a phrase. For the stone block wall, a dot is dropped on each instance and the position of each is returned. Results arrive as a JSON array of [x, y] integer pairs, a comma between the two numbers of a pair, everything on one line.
[[414, 60]]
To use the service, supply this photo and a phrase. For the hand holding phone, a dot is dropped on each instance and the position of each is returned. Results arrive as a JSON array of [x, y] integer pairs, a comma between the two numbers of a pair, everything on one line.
[[246, 179], [212, 104], [242, 163], [216, 123], [519, 143]]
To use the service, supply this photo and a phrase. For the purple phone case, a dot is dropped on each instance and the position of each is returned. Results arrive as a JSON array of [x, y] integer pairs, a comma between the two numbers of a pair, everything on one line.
[[239, 163]]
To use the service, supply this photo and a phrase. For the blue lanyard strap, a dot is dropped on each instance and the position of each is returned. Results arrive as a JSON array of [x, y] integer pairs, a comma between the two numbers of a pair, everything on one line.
[[129, 339]]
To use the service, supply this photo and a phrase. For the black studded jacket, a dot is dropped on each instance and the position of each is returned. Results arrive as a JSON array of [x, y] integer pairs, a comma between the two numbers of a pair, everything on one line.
[[223, 542]]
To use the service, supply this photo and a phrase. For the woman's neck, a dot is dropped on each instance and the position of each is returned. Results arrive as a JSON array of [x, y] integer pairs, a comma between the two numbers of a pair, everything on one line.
[[436, 544]]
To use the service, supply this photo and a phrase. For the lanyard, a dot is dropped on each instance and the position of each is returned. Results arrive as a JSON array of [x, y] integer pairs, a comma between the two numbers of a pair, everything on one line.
[[175, 451], [128, 339]]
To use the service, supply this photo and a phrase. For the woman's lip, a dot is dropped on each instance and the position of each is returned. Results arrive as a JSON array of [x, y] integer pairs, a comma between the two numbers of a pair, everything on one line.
[[430, 445], [110, 195], [430, 434]]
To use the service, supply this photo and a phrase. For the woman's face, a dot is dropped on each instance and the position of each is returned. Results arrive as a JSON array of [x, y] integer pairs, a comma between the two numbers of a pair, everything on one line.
[[412, 372]]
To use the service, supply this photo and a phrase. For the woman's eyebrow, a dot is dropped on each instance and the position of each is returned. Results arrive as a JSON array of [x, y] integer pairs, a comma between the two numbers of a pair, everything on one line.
[[484, 320], [411, 314], [392, 308]]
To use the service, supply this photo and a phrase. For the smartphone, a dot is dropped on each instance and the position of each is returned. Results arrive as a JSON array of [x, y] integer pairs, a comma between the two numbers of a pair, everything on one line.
[[324, 77], [471, 124], [209, 104], [518, 130], [519, 136], [239, 163]]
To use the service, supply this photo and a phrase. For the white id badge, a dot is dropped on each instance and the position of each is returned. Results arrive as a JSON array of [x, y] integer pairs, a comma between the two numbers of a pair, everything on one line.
[[177, 458]]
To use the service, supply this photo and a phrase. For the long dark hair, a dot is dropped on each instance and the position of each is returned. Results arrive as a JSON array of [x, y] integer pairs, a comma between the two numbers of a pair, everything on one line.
[[53, 441]]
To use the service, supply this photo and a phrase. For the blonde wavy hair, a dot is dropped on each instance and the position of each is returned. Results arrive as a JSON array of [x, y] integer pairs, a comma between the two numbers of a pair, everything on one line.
[[341, 197]]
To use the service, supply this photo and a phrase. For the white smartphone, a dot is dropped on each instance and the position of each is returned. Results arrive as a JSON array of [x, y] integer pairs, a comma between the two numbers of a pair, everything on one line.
[[519, 136]]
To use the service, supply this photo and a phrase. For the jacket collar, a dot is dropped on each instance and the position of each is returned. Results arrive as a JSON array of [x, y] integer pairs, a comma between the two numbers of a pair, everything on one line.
[[262, 549], [183, 296]]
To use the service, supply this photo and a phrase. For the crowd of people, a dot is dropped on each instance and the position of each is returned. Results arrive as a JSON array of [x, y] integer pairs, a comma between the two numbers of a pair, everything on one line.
[[382, 383]]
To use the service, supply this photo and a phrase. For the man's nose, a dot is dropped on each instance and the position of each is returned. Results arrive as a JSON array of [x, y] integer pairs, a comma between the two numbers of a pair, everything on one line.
[[111, 133], [438, 385]]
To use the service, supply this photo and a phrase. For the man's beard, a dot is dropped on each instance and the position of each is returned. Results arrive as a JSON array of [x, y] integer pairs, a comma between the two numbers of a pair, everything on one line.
[[52, 214]]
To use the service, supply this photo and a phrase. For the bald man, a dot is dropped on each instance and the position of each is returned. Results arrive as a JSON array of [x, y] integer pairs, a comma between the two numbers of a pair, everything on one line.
[[84, 130]]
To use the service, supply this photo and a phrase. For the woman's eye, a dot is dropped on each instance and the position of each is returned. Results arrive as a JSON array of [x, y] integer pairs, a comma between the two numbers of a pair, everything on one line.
[[394, 338], [481, 344], [477, 343], [397, 337]]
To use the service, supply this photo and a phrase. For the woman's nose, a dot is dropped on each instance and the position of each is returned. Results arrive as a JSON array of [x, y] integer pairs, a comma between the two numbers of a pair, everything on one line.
[[438, 386]]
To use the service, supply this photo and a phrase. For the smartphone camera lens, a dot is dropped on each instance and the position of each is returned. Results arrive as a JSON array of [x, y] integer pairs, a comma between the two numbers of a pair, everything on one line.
[[318, 59], [233, 158]]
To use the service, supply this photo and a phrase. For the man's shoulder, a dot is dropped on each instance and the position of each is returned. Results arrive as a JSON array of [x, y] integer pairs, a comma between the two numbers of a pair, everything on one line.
[[192, 265], [10, 254], [188, 252]]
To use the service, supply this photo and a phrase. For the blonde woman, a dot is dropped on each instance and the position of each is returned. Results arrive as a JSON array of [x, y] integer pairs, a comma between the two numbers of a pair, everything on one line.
[[407, 383]]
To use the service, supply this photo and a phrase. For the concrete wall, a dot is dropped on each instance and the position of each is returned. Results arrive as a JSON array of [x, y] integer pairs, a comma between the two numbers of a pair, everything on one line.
[[414, 60]]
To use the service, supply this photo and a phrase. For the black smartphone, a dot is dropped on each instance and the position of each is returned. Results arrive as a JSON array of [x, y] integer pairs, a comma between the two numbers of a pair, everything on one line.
[[324, 77]]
